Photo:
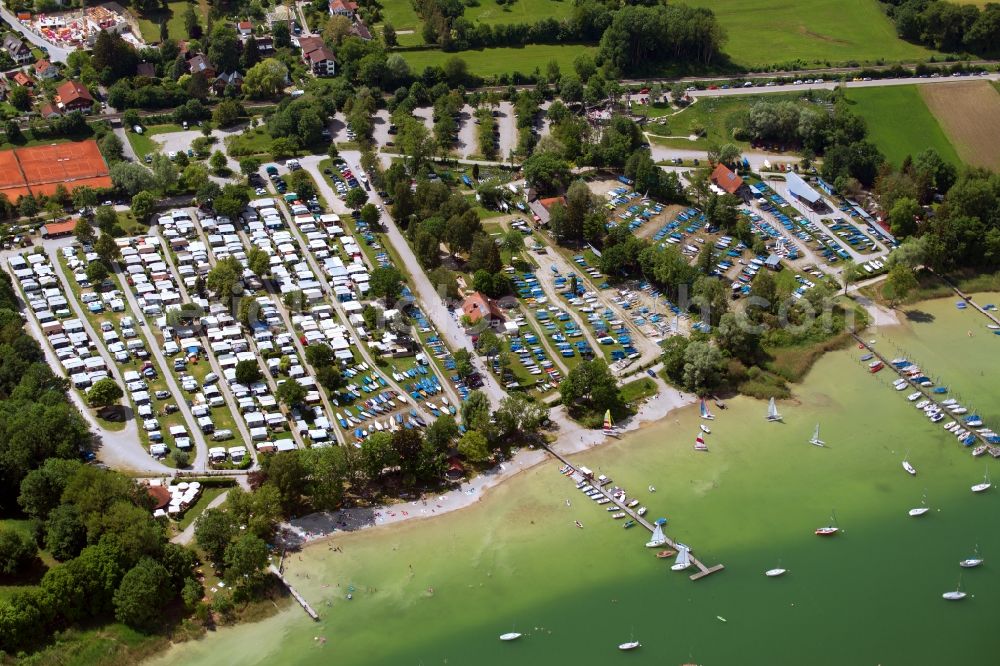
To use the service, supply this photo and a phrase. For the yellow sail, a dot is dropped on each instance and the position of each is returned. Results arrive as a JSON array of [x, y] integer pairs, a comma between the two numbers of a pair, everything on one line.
[[607, 420]]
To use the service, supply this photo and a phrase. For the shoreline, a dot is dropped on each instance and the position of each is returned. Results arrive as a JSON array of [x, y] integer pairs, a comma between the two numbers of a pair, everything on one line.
[[572, 438]]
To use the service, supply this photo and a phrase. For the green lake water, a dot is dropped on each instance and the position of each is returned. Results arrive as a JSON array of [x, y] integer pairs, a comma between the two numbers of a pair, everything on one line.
[[440, 591]]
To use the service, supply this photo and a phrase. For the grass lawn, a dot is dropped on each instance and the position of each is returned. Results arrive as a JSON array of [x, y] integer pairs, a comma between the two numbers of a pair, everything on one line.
[[718, 116], [638, 389], [207, 495], [883, 108], [820, 32], [142, 144], [165, 128], [522, 11], [149, 22], [256, 142], [400, 14], [491, 62]]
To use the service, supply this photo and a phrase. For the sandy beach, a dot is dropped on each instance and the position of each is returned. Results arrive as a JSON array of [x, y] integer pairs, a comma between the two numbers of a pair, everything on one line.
[[572, 438]]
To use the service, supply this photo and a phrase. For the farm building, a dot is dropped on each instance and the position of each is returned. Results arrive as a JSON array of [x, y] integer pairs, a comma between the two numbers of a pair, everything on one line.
[[804, 192]]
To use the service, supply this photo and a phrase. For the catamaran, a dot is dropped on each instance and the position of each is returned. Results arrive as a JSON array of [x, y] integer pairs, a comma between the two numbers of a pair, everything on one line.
[[658, 538], [705, 414], [609, 425], [985, 485], [683, 560], [772, 411], [816, 441], [699, 444]]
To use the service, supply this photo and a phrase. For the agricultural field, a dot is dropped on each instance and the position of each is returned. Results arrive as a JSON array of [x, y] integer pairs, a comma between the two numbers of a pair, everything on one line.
[[969, 113], [492, 62], [819, 32], [882, 108]]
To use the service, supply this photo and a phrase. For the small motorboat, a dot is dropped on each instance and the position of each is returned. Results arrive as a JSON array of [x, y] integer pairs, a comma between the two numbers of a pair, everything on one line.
[[631, 645], [867, 357], [634, 503], [651, 489], [914, 396], [619, 515], [829, 530], [628, 524], [510, 636], [919, 511], [665, 554], [774, 573], [641, 511], [705, 429], [979, 450], [578, 524]]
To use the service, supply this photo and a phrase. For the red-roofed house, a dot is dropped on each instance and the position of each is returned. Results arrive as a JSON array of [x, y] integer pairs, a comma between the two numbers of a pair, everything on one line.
[[541, 208], [245, 28], [343, 8], [46, 70], [477, 305], [73, 96], [724, 178], [22, 79]]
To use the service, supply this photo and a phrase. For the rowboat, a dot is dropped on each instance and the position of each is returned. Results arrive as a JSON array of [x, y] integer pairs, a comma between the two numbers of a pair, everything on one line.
[[699, 444], [664, 554], [619, 515], [628, 524]]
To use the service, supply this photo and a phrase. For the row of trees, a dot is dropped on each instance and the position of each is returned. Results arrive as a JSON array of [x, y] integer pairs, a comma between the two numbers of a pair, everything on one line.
[[948, 26]]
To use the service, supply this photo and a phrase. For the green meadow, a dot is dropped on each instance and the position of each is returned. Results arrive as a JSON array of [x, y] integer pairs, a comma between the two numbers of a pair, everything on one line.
[[491, 62]]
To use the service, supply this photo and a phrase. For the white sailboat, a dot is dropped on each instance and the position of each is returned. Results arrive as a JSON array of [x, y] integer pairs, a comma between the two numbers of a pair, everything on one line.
[[658, 538], [985, 485], [699, 444], [510, 636], [631, 644], [907, 466], [774, 573], [705, 429], [972, 562], [683, 560], [957, 594], [772, 411], [920, 510], [816, 441]]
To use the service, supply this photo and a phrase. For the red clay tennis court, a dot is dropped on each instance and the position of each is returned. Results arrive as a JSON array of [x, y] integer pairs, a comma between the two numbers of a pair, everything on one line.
[[40, 169]]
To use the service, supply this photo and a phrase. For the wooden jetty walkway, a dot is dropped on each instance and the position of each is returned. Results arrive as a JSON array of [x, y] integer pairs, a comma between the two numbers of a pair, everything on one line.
[[923, 390], [968, 299], [295, 593], [703, 570]]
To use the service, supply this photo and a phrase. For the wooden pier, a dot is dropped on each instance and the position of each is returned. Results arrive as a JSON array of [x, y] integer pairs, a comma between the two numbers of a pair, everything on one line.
[[703, 570], [923, 390], [968, 299], [295, 594]]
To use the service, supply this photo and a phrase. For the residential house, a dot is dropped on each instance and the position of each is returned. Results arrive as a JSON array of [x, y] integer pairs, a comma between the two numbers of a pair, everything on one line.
[[22, 79], [48, 111], [317, 55], [225, 80], [200, 63], [245, 28], [540, 209], [46, 70], [476, 306], [265, 45], [73, 96], [343, 8], [18, 50]]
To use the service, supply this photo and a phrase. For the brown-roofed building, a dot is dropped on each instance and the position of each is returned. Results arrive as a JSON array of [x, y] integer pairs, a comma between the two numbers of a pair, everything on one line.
[[48, 111], [359, 29], [160, 495], [22, 79], [541, 207], [146, 69], [317, 55], [724, 178], [58, 229], [73, 96], [477, 305], [200, 63]]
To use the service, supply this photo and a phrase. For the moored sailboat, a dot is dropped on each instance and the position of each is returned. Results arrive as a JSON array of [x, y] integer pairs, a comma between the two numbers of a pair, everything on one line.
[[985, 485], [658, 538], [683, 560], [699, 444]]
